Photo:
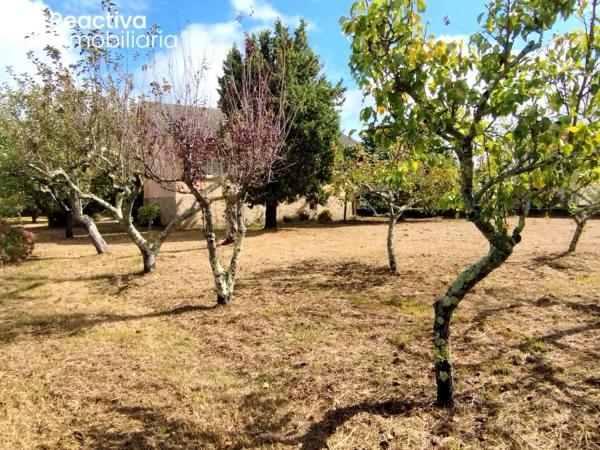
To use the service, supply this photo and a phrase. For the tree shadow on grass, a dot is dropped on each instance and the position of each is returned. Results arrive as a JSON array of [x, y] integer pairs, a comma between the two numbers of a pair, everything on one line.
[[314, 274], [318, 433], [26, 283], [265, 426], [158, 431], [73, 324]]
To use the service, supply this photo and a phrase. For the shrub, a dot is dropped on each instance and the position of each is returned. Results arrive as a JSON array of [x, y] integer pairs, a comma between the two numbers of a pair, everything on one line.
[[324, 216], [148, 214], [288, 219], [16, 243], [303, 216]]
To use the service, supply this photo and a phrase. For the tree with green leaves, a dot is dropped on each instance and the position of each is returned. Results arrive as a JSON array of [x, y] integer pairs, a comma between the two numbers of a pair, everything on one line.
[[308, 97], [406, 181], [345, 173], [485, 101], [574, 90], [49, 130], [398, 178]]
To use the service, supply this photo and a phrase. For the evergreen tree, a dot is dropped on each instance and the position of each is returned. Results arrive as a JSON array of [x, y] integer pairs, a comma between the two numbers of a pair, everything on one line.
[[310, 99]]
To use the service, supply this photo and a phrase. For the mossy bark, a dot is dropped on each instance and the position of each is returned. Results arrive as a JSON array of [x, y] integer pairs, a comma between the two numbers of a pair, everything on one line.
[[230, 217], [390, 242], [224, 278], [77, 215], [149, 257], [444, 309], [577, 234]]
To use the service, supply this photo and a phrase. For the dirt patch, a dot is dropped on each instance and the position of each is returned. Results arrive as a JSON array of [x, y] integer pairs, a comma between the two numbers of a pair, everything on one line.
[[322, 347]]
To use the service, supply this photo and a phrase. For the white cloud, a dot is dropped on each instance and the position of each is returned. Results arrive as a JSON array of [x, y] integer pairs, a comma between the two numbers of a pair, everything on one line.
[[261, 11], [199, 46], [350, 110], [21, 19], [207, 45], [463, 39]]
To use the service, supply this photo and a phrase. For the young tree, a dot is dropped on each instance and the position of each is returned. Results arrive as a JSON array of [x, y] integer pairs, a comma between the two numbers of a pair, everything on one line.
[[574, 88], [310, 98], [406, 181], [484, 101], [245, 149], [51, 130], [583, 205], [345, 173]]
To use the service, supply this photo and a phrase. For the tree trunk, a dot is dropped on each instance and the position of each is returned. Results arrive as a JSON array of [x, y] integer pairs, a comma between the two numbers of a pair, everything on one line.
[[219, 274], [445, 307], [230, 218], [345, 208], [390, 242], [97, 240], [223, 299], [76, 212], [271, 216], [69, 226], [577, 234], [34, 216], [149, 257], [146, 249]]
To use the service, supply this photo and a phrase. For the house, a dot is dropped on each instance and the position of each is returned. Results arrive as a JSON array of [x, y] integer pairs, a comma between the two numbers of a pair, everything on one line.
[[173, 203]]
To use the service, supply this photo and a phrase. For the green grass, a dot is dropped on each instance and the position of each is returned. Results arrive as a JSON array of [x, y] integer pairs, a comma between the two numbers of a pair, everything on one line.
[[535, 344]]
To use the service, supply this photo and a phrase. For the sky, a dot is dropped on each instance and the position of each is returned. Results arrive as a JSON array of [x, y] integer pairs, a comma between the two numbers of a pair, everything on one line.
[[208, 28]]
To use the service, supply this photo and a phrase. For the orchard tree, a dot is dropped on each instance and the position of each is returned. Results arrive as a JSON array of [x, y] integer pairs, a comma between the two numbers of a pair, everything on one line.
[[79, 125], [17, 191], [574, 91], [582, 205], [244, 149], [346, 173], [308, 97], [484, 100], [405, 180], [52, 130]]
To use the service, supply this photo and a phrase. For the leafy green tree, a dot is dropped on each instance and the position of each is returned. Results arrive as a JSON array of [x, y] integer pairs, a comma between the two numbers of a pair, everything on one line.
[[51, 131], [344, 180], [574, 90], [403, 180], [484, 100], [309, 98]]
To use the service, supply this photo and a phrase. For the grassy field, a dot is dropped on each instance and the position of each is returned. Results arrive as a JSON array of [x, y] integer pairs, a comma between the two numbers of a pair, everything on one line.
[[322, 348]]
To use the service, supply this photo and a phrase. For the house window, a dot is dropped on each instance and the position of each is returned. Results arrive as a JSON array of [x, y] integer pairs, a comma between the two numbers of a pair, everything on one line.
[[212, 168]]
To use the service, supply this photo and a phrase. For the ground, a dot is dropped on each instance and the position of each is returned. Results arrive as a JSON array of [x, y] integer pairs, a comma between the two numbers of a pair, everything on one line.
[[321, 348]]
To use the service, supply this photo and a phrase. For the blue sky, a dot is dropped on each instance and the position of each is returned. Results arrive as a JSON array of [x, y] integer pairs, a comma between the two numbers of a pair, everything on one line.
[[210, 27]]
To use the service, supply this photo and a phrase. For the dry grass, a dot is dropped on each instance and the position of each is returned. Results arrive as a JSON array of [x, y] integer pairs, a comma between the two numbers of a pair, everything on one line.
[[322, 348]]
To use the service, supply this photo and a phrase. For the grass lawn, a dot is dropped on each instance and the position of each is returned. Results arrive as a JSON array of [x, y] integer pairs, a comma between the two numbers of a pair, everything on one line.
[[321, 348]]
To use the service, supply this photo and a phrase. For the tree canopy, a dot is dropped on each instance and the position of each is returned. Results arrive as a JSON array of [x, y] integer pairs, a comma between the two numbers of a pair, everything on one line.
[[485, 100], [309, 98]]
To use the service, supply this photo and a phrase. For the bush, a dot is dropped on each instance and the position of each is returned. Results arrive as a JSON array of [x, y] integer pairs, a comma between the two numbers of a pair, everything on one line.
[[303, 216], [16, 243], [148, 214], [288, 219], [324, 216]]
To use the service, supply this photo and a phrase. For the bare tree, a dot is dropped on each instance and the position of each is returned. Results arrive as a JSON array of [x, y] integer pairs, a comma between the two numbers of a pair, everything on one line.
[[187, 146]]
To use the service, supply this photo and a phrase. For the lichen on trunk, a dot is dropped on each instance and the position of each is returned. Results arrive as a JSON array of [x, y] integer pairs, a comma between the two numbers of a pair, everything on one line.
[[580, 225], [393, 219], [224, 279]]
